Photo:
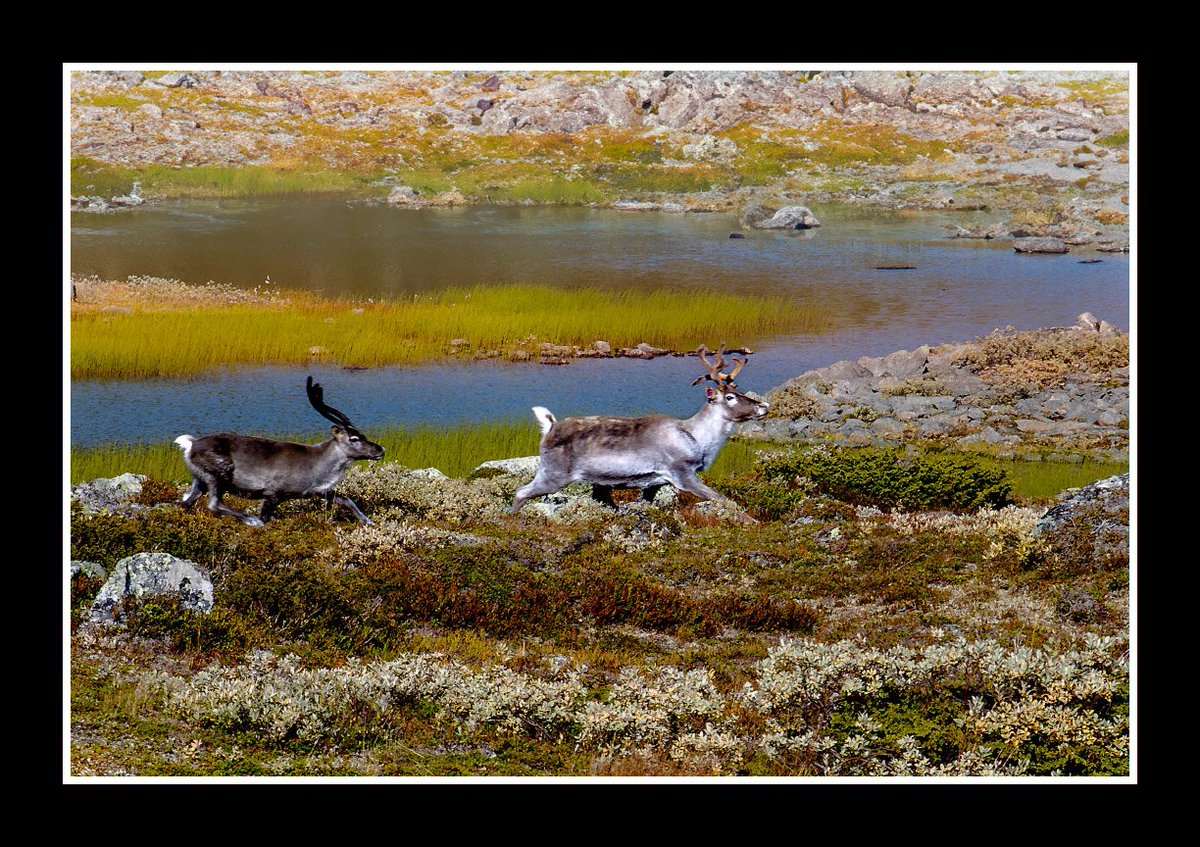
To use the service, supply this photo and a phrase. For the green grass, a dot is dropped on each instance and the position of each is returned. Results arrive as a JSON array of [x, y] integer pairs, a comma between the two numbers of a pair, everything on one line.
[[176, 342], [1117, 139], [454, 450], [1041, 481], [89, 177]]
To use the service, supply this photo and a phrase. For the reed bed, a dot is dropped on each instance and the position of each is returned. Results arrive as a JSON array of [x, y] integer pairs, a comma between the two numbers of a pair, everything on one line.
[[161, 337]]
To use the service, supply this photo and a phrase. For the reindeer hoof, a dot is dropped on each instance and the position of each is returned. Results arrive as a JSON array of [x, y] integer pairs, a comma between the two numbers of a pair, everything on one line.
[[250, 520]]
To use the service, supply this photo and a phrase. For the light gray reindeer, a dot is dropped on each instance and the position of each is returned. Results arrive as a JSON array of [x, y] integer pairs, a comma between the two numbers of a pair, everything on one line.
[[274, 471], [645, 453]]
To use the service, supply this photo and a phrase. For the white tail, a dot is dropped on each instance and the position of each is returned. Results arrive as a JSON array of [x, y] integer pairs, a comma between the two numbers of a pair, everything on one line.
[[185, 444], [545, 419], [643, 453]]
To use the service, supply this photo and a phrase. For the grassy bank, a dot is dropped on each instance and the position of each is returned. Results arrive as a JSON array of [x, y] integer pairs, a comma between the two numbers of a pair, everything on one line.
[[118, 333]]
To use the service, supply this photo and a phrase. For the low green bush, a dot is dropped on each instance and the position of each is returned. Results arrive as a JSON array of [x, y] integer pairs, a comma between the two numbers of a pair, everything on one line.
[[888, 479]]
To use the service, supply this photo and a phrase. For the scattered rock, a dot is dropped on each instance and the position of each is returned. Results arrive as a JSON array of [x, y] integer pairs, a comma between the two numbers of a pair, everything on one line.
[[176, 81], [1040, 245], [709, 148], [403, 195], [108, 494], [1088, 321], [153, 575], [89, 569], [524, 468], [643, 351], [1111, 495], [635, 206], [737, 235], [789, 217], [492, 83]]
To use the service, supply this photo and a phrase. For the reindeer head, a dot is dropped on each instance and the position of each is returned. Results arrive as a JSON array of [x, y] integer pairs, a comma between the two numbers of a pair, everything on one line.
[[736, 406], [344, 432]]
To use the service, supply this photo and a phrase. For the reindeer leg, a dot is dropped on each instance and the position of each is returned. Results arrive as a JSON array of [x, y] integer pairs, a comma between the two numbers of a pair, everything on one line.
[[603, 494], [342, 500], [270, 503], [218, 508], [650, 492], [540, 485], [691, 483], [196, 492]]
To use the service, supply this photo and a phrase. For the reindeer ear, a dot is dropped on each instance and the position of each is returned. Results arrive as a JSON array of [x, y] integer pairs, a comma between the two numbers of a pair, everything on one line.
[[338, 432], [710, 392]]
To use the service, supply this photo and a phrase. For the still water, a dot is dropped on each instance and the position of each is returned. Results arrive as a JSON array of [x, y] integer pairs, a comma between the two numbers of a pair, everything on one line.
[[959, 289]]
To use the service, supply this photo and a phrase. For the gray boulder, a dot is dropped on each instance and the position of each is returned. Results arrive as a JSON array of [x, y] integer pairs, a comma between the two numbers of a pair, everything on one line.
[[1109, 496], [153, 575], [105, 495], [525, 467], [89, 569], [403, 195], [177, 81], [789, 217]]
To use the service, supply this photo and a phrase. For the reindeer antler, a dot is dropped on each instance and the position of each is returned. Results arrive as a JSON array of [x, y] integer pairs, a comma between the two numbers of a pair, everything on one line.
[[316, 396], [723, 380]]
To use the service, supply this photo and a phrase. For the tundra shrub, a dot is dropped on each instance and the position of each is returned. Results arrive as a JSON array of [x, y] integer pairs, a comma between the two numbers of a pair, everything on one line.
[[888, 478]]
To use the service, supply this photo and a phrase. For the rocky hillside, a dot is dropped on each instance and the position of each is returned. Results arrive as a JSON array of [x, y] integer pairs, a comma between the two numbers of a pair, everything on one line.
[[1051, 146]]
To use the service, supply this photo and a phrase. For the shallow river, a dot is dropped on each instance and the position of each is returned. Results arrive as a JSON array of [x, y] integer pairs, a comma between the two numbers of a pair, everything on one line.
[[958, 290]]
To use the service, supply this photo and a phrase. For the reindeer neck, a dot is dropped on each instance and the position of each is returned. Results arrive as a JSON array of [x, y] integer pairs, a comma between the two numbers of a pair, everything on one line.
[[709, 426]]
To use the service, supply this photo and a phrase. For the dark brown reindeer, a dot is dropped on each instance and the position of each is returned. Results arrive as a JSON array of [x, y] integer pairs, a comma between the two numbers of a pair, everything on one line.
[[645, 453], [274, 471]]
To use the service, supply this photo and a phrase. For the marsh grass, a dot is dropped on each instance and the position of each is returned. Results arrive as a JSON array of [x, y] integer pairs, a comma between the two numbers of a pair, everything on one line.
[[165, 339]]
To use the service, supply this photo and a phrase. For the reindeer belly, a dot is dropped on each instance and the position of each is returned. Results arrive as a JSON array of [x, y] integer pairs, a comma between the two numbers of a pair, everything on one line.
[[620, 472]]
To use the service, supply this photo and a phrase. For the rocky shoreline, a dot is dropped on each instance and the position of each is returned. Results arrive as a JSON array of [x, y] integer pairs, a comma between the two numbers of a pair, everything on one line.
[[1042, 154], [1062, 392]]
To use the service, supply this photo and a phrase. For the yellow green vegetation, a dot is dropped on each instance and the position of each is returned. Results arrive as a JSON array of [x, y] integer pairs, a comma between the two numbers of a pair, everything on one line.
[[89, 177], [153, 333], [1117, 139], [1097, 91]]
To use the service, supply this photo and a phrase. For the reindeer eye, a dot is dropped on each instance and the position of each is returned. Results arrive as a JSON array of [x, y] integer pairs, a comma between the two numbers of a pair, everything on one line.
[[730, 397], [354, 438]]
